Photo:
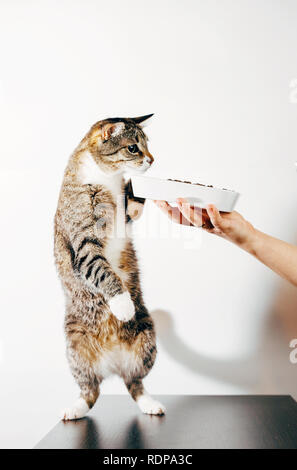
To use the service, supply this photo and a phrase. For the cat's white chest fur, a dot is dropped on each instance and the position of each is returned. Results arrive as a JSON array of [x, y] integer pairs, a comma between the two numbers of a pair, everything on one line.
[[90, 173], [113, 251]]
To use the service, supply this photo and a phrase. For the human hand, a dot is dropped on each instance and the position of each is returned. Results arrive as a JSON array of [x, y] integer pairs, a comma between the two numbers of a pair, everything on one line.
[[229, 225]]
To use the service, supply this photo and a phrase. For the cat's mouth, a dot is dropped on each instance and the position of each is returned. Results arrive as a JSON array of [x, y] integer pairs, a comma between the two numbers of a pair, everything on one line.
[[145, 166], [140, 169]]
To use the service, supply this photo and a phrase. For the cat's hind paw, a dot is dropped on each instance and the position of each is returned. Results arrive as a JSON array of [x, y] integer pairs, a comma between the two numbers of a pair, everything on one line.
[[77, 411], [150, 406], [122, 307]]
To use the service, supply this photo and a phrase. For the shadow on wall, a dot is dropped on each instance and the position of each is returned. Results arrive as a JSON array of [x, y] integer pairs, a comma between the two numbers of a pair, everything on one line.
[[268, 371]]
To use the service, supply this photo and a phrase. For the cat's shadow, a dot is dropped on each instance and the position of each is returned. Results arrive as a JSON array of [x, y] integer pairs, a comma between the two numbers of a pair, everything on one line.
[[253, 374]]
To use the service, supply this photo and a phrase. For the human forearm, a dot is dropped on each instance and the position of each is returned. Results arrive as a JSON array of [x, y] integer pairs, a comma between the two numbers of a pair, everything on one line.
[[278, 255]]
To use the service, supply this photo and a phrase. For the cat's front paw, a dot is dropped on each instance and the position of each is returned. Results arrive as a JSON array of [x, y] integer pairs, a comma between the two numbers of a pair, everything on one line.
[[122, 306]]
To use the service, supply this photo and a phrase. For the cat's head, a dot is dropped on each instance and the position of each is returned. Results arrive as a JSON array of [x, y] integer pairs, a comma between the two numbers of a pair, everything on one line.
[[120, 144]]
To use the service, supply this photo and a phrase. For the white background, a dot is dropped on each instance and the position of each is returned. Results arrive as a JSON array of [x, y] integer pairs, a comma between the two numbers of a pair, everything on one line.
[[219, 77]]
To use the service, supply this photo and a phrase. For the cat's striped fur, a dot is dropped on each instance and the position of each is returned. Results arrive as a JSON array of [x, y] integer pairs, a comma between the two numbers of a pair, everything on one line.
[[108, 328]]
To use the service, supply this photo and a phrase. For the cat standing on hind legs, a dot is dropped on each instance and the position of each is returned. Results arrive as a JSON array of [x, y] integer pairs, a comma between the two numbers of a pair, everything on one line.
[[108, 328]]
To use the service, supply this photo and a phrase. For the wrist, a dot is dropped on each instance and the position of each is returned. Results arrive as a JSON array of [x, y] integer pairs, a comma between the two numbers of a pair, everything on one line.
[[253, 242]]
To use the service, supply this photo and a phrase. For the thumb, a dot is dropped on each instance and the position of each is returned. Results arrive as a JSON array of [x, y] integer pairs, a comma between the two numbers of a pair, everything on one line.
[[214, 215]]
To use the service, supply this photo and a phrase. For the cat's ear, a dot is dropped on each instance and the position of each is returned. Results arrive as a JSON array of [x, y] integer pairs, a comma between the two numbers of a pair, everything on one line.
[[143, 120], [112, 130]]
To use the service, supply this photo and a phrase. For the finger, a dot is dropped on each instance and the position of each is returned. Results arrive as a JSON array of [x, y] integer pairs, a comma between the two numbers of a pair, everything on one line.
[[205, 216], [185, 209], [172, 212], [158, 202], [164, 206], [214, 215], [206, 222], [192, 214]]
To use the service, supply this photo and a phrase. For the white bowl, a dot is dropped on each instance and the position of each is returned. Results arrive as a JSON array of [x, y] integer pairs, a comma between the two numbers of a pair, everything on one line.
[[168, 190]]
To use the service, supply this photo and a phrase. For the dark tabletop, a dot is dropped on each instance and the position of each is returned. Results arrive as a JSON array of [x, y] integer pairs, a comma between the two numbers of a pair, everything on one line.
[[191, 422]]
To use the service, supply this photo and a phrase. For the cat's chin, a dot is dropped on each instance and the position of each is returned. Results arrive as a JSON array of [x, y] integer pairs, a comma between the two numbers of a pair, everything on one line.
[[137, 171], [134, 172]]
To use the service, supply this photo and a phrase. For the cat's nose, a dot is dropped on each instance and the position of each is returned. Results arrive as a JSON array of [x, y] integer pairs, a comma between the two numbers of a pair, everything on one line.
[[149, 158]]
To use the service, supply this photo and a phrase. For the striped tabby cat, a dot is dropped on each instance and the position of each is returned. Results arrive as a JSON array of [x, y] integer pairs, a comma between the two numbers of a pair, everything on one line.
[[108, 328]]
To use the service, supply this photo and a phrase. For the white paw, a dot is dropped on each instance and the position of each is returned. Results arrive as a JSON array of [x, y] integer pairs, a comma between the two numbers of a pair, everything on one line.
[[77, 411], [122, 306], [150, 406]]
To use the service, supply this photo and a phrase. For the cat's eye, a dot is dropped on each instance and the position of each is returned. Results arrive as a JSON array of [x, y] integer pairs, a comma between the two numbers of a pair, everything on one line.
[[133, 148]]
